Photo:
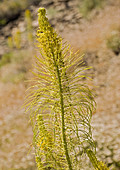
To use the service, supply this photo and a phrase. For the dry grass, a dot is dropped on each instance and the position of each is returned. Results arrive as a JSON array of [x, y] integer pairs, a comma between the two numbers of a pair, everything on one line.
[[16, 134]]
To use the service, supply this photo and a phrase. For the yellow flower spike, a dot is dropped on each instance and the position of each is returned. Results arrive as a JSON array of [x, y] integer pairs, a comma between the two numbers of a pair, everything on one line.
[[10, 42], [17, 38], [60, 103]]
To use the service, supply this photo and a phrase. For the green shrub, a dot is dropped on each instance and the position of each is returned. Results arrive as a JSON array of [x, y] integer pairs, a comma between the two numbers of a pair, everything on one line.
[[113, 42], [2, 22], [6, 58], [86, 6], [14, 77]]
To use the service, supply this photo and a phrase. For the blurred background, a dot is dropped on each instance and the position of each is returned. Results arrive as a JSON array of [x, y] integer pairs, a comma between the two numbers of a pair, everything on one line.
[[90, 26]]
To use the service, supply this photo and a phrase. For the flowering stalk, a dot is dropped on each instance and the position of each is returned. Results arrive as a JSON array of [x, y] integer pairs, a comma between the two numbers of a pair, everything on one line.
[[61, 104]]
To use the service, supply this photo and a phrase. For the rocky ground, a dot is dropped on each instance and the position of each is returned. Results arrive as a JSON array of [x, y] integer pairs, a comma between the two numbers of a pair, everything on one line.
[[89, 36]]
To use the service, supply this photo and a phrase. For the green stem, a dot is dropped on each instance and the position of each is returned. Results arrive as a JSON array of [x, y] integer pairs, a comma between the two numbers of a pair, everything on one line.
[[63, 122]]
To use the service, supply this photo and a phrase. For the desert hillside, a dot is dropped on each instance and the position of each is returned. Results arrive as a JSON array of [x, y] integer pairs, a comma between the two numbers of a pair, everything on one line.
[[91, 28]]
